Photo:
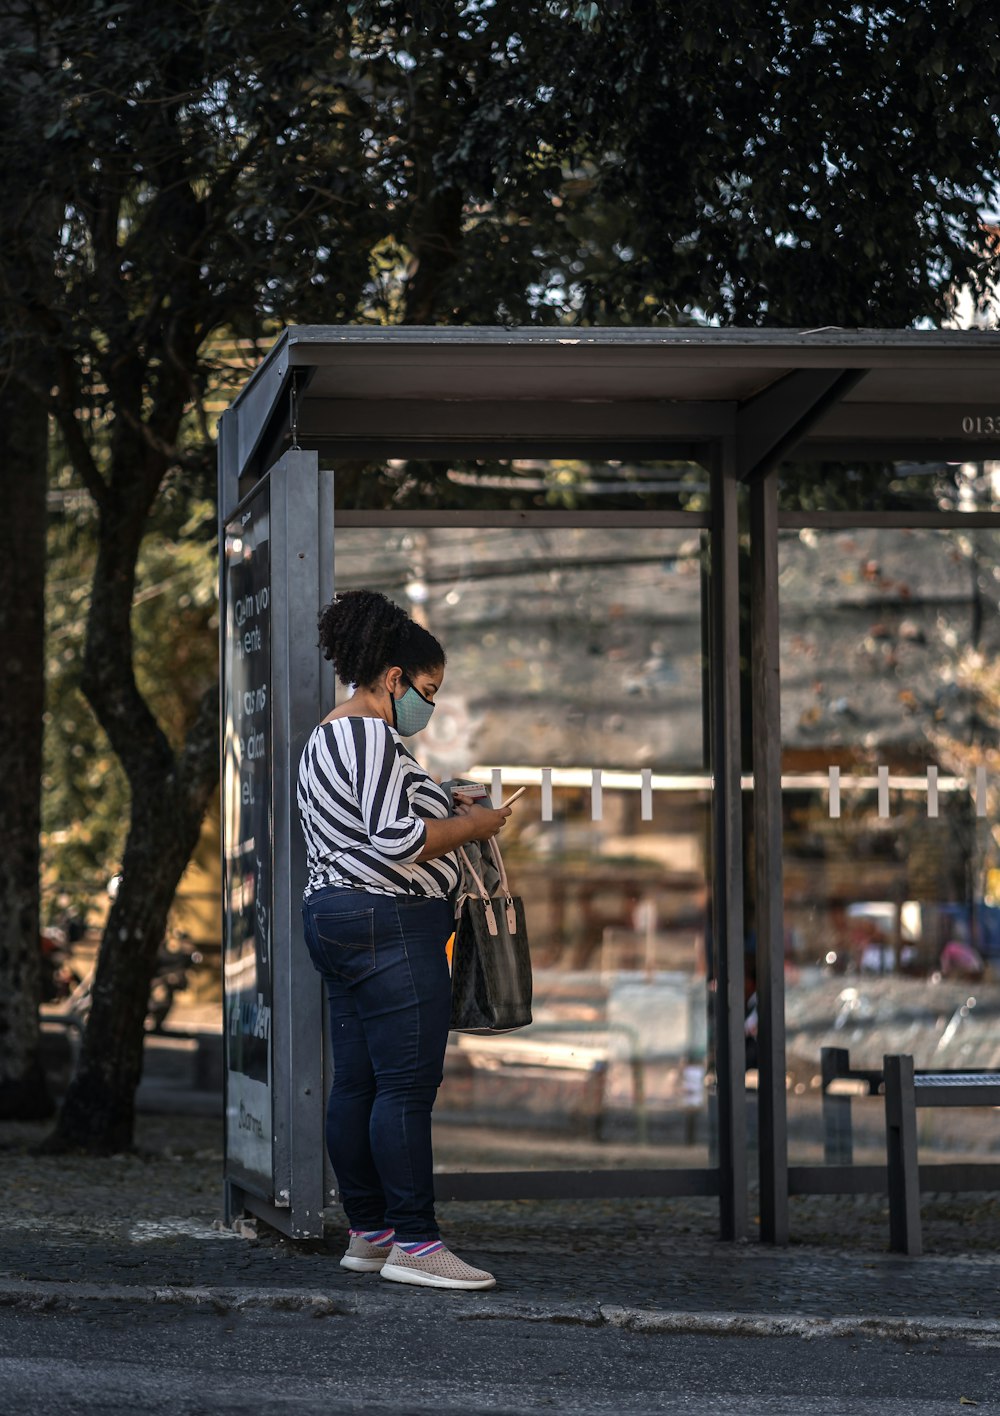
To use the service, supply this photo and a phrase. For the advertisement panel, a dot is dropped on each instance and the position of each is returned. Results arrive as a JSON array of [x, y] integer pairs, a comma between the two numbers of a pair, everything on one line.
[[248, 846]]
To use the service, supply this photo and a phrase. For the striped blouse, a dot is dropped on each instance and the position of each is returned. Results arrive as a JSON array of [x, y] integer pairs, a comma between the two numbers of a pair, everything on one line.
[[362, 803]]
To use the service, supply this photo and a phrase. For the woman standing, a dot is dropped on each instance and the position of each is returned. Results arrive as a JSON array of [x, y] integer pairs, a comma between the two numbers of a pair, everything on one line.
[[380, 842]]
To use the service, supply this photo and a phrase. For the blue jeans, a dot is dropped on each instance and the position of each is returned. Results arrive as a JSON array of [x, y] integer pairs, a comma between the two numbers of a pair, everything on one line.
[[387, 981]]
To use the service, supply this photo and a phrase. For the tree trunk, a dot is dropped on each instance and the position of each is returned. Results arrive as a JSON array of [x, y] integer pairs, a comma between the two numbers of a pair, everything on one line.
[[435, 238], [169, 794], [98, 1113], [24, 1092], [28, 214]]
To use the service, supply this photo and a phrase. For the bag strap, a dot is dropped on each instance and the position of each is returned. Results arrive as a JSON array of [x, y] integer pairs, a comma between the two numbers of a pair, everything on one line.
[[483, 892], [491, 919], [498, 862]]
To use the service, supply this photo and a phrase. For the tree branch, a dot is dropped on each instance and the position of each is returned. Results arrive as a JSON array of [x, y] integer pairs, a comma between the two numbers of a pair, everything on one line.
[[65, 408]]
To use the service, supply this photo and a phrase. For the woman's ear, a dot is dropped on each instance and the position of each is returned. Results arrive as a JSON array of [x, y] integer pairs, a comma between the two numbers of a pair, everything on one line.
[[393, 678]]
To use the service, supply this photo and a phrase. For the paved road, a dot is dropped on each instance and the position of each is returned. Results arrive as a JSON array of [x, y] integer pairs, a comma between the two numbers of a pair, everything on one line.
[[428, 1357]]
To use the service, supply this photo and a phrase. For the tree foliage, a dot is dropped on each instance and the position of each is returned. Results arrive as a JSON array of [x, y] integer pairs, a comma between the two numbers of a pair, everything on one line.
[[219, 171], [792, 164], [621, 162], [176, 155]]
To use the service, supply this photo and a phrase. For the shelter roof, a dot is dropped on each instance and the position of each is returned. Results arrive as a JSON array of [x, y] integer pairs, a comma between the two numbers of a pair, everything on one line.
[[829, 392]]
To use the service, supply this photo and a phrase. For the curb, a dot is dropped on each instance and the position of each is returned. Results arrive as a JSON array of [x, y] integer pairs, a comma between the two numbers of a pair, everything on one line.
[[46, 1296], [43, 1295], [930, 1328]]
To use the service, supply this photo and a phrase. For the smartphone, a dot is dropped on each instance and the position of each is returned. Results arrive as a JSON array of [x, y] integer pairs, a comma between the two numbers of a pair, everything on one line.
[[513, 797]]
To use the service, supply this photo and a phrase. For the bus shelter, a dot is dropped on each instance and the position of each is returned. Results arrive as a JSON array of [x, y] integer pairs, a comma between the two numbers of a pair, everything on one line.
[[601, 524]]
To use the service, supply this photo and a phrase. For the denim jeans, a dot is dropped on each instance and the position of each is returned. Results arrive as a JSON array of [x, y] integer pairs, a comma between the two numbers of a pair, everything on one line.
[[383, 961]]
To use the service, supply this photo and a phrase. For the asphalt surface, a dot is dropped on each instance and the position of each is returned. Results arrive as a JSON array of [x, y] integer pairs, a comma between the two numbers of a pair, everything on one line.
[[432, 1359]]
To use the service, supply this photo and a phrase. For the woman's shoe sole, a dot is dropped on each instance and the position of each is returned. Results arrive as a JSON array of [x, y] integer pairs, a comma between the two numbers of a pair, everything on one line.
[[396, 1273], [362, 1265]]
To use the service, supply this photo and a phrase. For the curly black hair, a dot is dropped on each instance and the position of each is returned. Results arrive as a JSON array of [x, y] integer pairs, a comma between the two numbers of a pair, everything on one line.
[[364, 634]]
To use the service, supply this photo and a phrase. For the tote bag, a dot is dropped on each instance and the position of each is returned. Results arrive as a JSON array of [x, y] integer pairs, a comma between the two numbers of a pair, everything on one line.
[[491, 962]]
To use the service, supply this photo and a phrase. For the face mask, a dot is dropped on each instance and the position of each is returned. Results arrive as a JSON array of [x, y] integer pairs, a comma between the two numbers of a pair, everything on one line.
[[411, 712]]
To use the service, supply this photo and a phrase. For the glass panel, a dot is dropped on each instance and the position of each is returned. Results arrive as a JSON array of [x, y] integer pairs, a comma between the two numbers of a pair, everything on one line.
[[573, 653], [520, 484], [889, 486], [890, 651]]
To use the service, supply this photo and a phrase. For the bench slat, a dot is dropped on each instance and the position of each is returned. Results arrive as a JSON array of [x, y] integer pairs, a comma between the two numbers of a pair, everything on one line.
[[946, 1079], [956, 1089]]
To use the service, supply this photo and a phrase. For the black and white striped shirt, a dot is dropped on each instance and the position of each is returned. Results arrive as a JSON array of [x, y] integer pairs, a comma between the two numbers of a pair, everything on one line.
[[362, 802]]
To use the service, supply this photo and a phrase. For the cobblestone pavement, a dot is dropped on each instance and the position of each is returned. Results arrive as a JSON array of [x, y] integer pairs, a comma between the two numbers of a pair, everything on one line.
[[146, 1221]]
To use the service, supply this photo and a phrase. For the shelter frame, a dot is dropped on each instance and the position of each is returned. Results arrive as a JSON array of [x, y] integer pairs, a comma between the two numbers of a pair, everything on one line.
[[738, 401]]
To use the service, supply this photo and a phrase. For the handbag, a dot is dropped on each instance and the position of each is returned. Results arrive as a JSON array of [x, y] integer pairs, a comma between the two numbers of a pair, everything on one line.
[[491, 960]]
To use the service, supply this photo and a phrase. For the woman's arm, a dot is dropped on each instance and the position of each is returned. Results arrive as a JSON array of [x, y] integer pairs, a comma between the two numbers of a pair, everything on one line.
[[471, 823], [393, 829]]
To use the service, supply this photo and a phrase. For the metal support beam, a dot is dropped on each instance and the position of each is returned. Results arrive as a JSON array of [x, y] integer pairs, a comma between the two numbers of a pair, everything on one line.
[[228, 467], [574, 1184], [450, 518], [945, 1177], [769, 917], [769, 425], [259, 417], [329, 420], [901, 1156], [727, 833], [301, 507]]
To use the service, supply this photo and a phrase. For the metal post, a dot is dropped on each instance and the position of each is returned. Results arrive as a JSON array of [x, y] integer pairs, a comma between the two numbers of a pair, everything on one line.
[[228, 465], [766, 699], [727, 831], [901, 1156], [838, 1132], [297, 515]]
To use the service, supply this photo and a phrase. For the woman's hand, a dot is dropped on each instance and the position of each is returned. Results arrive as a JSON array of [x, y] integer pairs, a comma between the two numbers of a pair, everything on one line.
[[485, 821], [470, 822]]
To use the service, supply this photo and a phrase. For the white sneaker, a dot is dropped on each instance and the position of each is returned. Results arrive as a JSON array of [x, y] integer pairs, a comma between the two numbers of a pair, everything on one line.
[[363, 1257], [442, 1269]]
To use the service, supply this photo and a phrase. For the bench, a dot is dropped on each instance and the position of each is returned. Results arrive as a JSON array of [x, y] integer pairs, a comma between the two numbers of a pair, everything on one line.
[[841, 1083], [905, 1090]]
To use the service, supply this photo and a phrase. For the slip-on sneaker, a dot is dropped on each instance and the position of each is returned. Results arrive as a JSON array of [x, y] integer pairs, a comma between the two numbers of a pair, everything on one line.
[[363, 1257], [442, 1269]]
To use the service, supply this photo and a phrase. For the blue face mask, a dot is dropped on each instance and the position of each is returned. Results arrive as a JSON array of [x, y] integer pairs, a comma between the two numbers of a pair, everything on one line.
[[411, 712]]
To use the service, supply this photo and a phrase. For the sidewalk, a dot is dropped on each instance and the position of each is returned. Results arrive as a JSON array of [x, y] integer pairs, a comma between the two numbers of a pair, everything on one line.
[[146, 1228]]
